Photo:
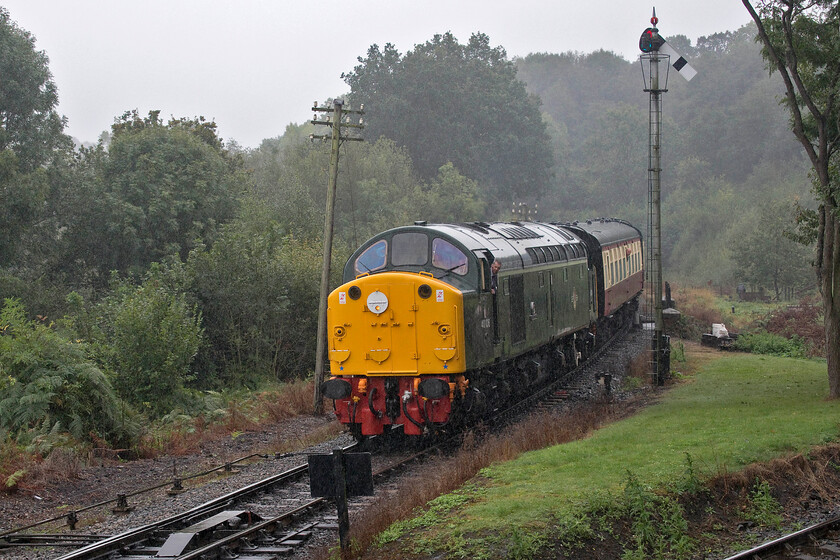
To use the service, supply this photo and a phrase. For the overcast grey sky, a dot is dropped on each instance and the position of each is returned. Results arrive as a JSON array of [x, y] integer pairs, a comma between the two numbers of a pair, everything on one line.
[[255, 66]]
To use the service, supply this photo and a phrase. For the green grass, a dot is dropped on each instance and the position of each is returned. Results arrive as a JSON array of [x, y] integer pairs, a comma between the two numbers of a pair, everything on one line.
[[737, 410], [746, 312]]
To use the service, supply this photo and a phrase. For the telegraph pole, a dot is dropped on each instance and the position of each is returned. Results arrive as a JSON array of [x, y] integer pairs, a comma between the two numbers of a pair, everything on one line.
[[336, 124]]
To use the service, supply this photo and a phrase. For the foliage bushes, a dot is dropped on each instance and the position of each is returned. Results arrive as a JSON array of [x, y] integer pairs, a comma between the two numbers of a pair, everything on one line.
[[792, 331], [773, 344], [150, 341], [48, 386], [251, 286]]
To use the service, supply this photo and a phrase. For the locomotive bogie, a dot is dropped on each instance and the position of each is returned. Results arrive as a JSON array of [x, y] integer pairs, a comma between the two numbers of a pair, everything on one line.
[[415, 402]]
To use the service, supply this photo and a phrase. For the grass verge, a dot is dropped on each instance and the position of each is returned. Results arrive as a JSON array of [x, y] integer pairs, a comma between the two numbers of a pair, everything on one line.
[[737, 410]]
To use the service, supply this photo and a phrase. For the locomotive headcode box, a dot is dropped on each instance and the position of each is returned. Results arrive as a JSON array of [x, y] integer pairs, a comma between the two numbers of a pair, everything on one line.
[[358, 474]]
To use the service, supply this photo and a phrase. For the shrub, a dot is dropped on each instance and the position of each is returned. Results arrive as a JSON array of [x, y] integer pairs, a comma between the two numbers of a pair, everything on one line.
[[49, 386], [658, 524], [803, 321], [258, 292], [773, 344], [151, 336], [763, 508]]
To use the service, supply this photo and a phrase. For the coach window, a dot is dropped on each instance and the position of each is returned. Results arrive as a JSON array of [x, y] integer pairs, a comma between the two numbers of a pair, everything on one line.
[[373, 257], [606, 259], [447, 256], [410, 248]]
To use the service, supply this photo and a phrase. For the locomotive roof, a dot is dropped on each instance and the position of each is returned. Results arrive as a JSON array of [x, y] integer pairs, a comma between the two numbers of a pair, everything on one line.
[[606, 230], [507, 241], [513, 243]]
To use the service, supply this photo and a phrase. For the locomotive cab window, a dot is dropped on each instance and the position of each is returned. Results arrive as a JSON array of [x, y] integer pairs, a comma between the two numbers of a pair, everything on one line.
[[373, 258], [409, 249], [447, 256]]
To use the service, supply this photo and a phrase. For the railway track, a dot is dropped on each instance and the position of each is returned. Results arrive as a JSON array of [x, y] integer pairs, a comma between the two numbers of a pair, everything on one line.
[[217, 520], [275, 516], [272, 518], [817, 542]]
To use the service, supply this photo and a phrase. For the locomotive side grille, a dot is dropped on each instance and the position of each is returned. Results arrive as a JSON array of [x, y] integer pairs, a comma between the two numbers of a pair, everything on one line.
[[516, 232]]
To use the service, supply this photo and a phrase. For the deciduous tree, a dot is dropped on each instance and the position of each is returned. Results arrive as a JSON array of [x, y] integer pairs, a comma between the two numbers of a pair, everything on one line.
[[764, 256], [156, 191], [802, 43], [448, 102], [30, 132]]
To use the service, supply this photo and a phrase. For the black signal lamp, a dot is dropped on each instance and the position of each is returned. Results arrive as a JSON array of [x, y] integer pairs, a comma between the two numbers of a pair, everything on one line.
[[650, 41]]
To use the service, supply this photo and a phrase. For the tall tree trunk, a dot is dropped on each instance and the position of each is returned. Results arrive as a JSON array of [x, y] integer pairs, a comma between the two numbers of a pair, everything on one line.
[[829, 272], [812, 101]]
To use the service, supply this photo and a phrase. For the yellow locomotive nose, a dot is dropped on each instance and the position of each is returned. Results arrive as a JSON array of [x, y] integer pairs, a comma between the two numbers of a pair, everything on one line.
[[396, 323]]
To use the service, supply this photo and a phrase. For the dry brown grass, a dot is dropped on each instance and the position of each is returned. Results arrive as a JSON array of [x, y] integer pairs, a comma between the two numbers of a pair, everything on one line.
[[292, 400], [639, 367], [15, 465], [267, 407], [699, 303], [538, 432], [795, 479], [804, 321], [286, 444], [697, 356], [20, 470]]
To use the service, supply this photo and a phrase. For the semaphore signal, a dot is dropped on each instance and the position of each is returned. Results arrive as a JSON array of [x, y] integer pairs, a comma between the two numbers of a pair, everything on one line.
[[656, 50], [652, 41]]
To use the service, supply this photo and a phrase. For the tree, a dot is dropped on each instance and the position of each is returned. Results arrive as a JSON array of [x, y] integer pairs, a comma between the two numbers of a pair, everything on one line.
[[157, 191], [448, 102], [30, 132], [258, 292], [802, 43], [764, 256]]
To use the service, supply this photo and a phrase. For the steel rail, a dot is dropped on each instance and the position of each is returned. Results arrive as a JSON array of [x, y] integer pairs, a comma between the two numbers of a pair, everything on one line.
[[263, 525], [270, 523], [775, 545], [74, 514], [134, 535]]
